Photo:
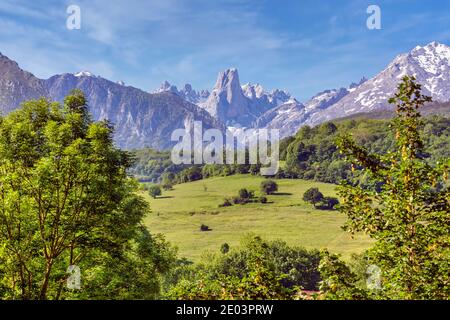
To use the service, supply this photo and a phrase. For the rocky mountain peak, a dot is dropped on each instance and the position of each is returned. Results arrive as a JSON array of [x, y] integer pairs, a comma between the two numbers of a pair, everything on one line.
[[228, 81], [83, 73], [17, 85]]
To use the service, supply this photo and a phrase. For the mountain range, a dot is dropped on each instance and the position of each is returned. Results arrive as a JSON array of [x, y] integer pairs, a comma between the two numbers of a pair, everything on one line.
[[147, 119]]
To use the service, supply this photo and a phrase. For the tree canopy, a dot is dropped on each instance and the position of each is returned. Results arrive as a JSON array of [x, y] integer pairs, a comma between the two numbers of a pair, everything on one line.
[[409, 216], [66, 200]]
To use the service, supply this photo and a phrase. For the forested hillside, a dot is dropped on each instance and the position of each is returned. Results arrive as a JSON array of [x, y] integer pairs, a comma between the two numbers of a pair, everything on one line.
[[312, 154]]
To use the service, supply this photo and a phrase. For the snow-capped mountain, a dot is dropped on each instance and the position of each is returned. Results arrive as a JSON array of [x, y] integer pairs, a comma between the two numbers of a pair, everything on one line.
[[327, 98], [291, 115], [429, 64], [147, 119], [287, 118], [83, 73], [259, 96], [187, 93]]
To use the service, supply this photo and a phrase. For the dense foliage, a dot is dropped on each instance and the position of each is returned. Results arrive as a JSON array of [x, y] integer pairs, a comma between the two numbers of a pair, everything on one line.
[[408, 216], [313, 155], [66, 200], [269, 187], [257, 270]]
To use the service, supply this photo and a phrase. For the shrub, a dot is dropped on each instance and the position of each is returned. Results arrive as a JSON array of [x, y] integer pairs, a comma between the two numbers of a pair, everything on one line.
[[239, 200], [167, 186], [256, 270], [204, 227], [269, 187], [244, 194], [225, 248], [226, 203], [263, 199], [330, 202], [154, 191]]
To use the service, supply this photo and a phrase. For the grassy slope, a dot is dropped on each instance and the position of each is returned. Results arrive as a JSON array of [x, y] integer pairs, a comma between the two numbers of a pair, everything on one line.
[[180, 212]]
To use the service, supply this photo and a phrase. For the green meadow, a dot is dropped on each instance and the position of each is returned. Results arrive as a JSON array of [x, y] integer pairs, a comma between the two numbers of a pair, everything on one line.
[[179, 213]]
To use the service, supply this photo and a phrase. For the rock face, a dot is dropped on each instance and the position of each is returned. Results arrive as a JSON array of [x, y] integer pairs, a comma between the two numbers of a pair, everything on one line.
[[227, 101], [240, 106], [17, 85], [187, 93], [287, 118], [140, 119], [429, 64]]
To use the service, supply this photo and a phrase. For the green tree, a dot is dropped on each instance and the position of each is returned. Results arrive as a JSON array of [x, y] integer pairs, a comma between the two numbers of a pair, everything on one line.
[[269, 187], [250, 274], [66, 199], [339, 282], [409, 216], [154, 191], [313, 196]]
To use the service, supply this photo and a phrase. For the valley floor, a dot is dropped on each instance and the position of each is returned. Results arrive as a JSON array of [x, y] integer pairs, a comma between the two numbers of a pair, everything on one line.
[[179, 213]]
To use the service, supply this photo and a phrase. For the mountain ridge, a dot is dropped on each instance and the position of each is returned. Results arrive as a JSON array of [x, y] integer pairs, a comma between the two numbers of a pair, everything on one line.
[[146, 119], [140, 118]]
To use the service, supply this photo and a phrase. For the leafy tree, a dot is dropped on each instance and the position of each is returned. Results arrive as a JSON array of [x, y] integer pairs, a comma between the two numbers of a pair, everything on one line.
[[255, 272], [409, 216], [66, 199], [154, 191], [313, 196], [269, 187], [190, 174], [339, 282]]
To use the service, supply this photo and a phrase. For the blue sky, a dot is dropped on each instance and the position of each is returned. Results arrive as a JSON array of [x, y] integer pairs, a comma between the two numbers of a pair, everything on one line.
[[303, 46]]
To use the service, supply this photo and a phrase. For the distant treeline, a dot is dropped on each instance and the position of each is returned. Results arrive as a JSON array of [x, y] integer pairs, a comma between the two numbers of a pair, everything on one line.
[[311, 154]]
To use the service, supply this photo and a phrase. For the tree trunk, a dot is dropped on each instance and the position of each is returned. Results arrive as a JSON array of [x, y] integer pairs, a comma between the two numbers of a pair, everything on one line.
[[43, 294]]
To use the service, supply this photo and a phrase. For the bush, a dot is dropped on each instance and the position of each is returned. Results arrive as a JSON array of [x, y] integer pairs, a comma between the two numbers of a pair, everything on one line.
[[263, 199], [330, 202], [167, 186], [204, 227], [225, 248], [313, 195], [244, 194], [226, 203], [154, 191], [269, 187], [239, 200]]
